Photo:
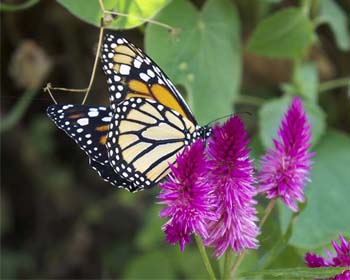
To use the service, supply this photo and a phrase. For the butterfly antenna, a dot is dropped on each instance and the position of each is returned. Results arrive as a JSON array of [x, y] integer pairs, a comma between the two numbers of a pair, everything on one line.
[[220, 118], [228, 116]]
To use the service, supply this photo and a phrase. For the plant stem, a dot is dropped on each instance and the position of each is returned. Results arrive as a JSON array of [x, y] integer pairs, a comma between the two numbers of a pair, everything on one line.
[[13, 117], [166, 26], [326, 86], [205, 257], [227, 265], [237, 263], [306, 6], [100, 37], [266, 213]]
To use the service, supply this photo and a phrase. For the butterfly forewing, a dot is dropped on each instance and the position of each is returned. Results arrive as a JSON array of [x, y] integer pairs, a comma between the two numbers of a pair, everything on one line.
[[88, 126], [131, 73], [144, 138]]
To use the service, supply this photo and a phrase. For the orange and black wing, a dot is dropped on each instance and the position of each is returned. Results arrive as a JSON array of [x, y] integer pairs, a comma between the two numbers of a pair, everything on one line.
[[88, 126], [131, 74], [144, 137]]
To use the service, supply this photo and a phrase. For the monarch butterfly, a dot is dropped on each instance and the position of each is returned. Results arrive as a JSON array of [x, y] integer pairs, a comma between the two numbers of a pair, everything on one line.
[[148, 123]]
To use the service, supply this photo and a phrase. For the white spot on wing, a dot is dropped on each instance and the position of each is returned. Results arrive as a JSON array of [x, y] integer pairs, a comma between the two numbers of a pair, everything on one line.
[[83, 121], [124, 69], [106, 119], [137, 63], [93, 114], [144, 77], [150, 73]]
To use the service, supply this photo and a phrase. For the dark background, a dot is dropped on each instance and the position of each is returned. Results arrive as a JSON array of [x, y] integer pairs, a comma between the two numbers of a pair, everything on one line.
[[58, 218]]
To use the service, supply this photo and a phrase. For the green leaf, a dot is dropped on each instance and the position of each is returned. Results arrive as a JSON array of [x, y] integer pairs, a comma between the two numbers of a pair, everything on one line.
[[271, 113], [203, 55], [137, 11], [327, 213], [306, 81], [285, 34], [18, 7], [293, 273], [333, 15]]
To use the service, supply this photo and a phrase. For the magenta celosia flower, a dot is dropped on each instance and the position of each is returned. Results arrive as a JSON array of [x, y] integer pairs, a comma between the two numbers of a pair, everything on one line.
[[285, 169], [314, 260], [343, 276], [343, 252], [231, 175], [341, 259], [187, 196]]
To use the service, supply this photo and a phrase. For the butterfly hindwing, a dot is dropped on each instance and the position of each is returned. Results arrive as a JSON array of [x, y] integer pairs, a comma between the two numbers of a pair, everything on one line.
[[107, 173], [131, 73], [88, 126], [144, 137]]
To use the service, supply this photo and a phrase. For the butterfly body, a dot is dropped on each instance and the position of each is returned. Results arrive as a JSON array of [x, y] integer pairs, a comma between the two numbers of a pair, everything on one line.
[[147, 124]]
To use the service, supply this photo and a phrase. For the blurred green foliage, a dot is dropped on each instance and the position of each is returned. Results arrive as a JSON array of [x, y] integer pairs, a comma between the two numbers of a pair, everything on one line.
[[327, 210], [137, 10], [271, 112], [59, 220], [285, 34], [191, 55]]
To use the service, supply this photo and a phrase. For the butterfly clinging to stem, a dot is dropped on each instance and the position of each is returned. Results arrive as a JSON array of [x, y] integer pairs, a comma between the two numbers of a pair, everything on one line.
[[148, 123]]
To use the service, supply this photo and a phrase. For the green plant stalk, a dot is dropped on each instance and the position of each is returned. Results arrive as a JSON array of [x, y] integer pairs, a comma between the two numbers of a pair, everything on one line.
[[205, 257], [12, 118], [19, 7], [267, 213], [227, 265], [326, 86], [280, 245], [306, 6]]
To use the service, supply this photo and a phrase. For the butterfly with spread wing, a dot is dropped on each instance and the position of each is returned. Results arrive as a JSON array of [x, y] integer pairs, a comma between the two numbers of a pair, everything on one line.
[[148, 123]]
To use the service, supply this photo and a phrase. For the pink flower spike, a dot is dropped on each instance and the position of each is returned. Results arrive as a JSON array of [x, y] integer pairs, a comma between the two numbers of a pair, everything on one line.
[[342, 259], [314, 260], [188, 197], [286, 169], [343, 252], [231, 175]]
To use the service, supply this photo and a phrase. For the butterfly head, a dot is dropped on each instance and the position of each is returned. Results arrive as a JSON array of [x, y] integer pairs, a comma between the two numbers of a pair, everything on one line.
[[204, 132]]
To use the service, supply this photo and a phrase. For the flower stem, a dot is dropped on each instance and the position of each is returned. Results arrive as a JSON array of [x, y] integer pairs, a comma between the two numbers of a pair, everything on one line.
[[267, 212], [205, 257], [237, 263], [227, 265]]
